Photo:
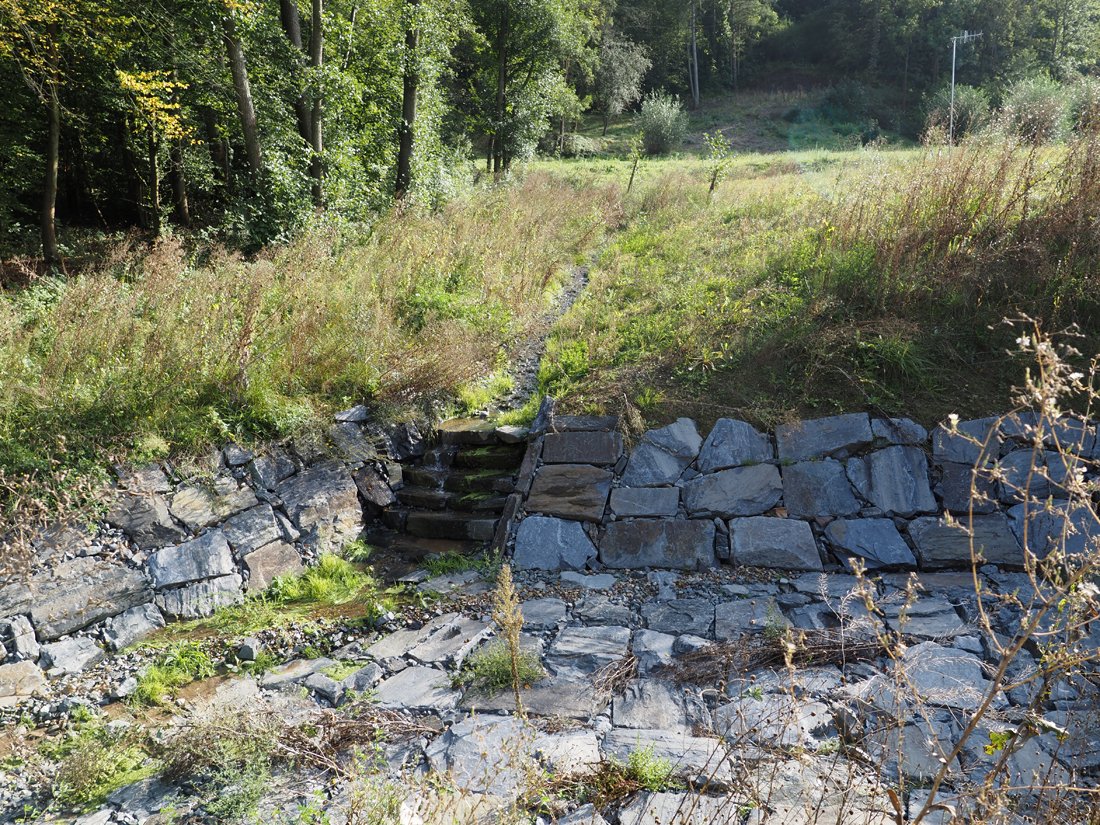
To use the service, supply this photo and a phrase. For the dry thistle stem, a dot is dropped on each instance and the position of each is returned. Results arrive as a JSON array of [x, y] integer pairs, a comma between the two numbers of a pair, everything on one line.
[[507, 614]]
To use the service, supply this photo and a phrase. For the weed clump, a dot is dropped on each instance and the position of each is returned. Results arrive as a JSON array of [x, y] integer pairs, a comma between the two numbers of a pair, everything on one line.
[[332, 580], [664, 122], [492, 668], [179, 665]]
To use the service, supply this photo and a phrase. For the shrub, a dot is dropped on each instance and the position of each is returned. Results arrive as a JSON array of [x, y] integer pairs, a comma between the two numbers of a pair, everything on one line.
[[1037, 109], [1085, 104], [663, 122], [972, 110], [490, 668], [332, 580], [650, 771], [579, 146]]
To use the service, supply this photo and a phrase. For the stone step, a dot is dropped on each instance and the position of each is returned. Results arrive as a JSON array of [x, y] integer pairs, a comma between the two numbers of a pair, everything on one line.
[[425, 498], [459, 481], [448, 525], [468, 431], [397, 554], [476, 501], [490, 458]]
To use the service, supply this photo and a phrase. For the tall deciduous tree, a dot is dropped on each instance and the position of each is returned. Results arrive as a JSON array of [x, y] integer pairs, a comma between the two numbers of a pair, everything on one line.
[[619, 76]]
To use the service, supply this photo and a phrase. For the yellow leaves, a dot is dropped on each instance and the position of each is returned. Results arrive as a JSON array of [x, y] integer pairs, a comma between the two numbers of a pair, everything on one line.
[[152, 93]]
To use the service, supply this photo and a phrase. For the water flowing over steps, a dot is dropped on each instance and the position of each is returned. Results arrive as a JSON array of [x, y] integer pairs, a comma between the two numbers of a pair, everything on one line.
[[452, 498]]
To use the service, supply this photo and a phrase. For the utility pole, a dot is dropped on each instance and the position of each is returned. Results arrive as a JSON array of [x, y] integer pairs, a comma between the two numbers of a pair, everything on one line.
[[965, 37]]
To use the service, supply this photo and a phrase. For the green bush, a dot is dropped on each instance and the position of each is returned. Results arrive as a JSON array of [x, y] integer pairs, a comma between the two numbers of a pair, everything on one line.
[[1085, 104], [490, 668], [663, 123], [972, 110], [179, 665], [1037, 109]]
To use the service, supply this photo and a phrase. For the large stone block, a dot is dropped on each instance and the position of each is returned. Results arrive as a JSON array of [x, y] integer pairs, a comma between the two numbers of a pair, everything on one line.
[[1026, 474], [741, 491], [252, 529], [206, 557], [949, 545], [895, 480], [200, 599], [662, 455], [544, 543], [876, 541], [323, 502], [267, 563], [818, 488], [733, 443], [835, 435], [602, 448], [645, 501], [19, 682], [81, 592], [903, 431], [686, 545], [132, 626], [199, 506], [146, 520], [972, 440], [960, 490], [574, 491], [784, 544], [72, 655], [1071, 528]]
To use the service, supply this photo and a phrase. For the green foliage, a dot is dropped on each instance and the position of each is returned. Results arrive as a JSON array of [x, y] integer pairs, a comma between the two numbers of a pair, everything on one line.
[[619, 76], [332, 580], [357, 552], [442, 564], [181, 664], [972, 110], [94, 761], [1038, 109], [663, 123], [652, 772], [489, 668]]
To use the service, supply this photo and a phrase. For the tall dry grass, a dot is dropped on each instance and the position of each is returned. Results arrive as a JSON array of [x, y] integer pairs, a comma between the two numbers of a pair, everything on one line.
[[158, 353]]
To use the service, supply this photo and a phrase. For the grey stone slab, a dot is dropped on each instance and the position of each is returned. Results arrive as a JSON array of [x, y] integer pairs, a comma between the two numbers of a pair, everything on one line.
[[252, 529], [19, 682], [668, 808], [400, 642], [741, 491], [451, 643], [699, 761], [600, 448], [599, 609], [351, 444], [200, 599], [1063, 527], [132, 626], [653, 650], [1026, 474], [961, 490], [945, 676], [989, 538], [269, 562], [662, 455], [773, 719], [597, 581], [543, 614], [818, 488], [569, 753], [645, 501], [904, 431], [876, 541], [17, 639], [484, 755], [206, 557], [374, 489], [679, 616], [365, 678], [544, 543], [685, 545], [979, 438], [585, 423], [81, 592], [73, 655], [895, 480], [655, 704], [739, 617], [554, 697], [784, 544], [323, 498], [144, 517], [733, 443], [928, 617], [573, 491], [418, 688], [835, 435], [580, 651], [1067, 434], [199, 506], [294, 672]]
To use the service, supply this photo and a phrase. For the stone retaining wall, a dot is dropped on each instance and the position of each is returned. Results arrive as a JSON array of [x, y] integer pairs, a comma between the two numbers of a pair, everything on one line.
[[822, 494]]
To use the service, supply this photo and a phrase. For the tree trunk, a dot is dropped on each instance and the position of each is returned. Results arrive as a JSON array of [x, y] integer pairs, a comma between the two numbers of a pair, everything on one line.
[[292, 27], [219, 151], [406, 133], [153, 147], [179, 185], [246, 110], [693, 62], [502, 87], [50, 253], [316, 59]]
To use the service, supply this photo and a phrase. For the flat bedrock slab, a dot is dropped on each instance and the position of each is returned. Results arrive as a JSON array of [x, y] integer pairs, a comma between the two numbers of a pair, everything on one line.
[[574, 491], [733, 443], [581, 651], [835, 435], [81, 592], [206, 557], [784, 544], [874, 540], [745, 616], [942, 545], [685, 545], [544, 543], [483, 755], [699, 761], [741, 491], [645, 501], [662, 455], [895, 480], [601, 448], [656, 704], [418, 688], [679, 616], [818, 488]]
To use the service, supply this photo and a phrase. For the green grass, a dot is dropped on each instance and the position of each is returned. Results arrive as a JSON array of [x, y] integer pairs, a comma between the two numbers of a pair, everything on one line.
[[179, 665], [332, 581], [652, 772], [489, 668], [443, 564]]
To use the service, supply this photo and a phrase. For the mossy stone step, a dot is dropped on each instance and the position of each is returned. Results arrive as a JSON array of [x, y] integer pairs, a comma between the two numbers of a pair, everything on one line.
[[491, 457], [448, 525], [468, 432]]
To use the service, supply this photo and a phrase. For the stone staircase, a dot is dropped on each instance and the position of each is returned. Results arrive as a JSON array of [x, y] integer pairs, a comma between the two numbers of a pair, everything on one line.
[[451, 498]]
